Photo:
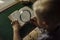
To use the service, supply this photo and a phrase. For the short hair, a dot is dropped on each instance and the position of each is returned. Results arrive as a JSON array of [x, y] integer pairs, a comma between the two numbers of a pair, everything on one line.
[[40, 6], [51, 14]]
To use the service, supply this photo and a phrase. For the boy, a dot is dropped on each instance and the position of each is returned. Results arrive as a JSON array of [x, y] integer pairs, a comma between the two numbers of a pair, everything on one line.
[[48, 16]]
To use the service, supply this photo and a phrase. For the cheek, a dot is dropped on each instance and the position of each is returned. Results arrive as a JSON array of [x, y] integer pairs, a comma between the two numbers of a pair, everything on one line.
[[42, 24], [39, 23]]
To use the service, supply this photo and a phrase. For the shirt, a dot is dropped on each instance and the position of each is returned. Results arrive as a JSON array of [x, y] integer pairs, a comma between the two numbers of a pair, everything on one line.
[[43, 35]]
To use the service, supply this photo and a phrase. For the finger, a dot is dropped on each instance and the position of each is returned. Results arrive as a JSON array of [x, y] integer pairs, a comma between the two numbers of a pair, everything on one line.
[[34, 20], [14, 22]]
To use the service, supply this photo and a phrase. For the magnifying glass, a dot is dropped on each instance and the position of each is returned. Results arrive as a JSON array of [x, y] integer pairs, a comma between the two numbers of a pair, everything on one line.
[[25, 15]]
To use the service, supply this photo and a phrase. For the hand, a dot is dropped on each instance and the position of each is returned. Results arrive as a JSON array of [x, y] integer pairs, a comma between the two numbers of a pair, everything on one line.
[[15, 26], [34, 21]]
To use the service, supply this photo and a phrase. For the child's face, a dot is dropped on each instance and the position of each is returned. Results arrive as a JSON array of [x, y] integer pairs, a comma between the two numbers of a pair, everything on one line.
[[41, 8]]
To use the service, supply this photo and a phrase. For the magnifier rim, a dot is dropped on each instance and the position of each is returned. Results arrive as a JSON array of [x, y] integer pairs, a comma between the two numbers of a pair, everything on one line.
[[27, 11]]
